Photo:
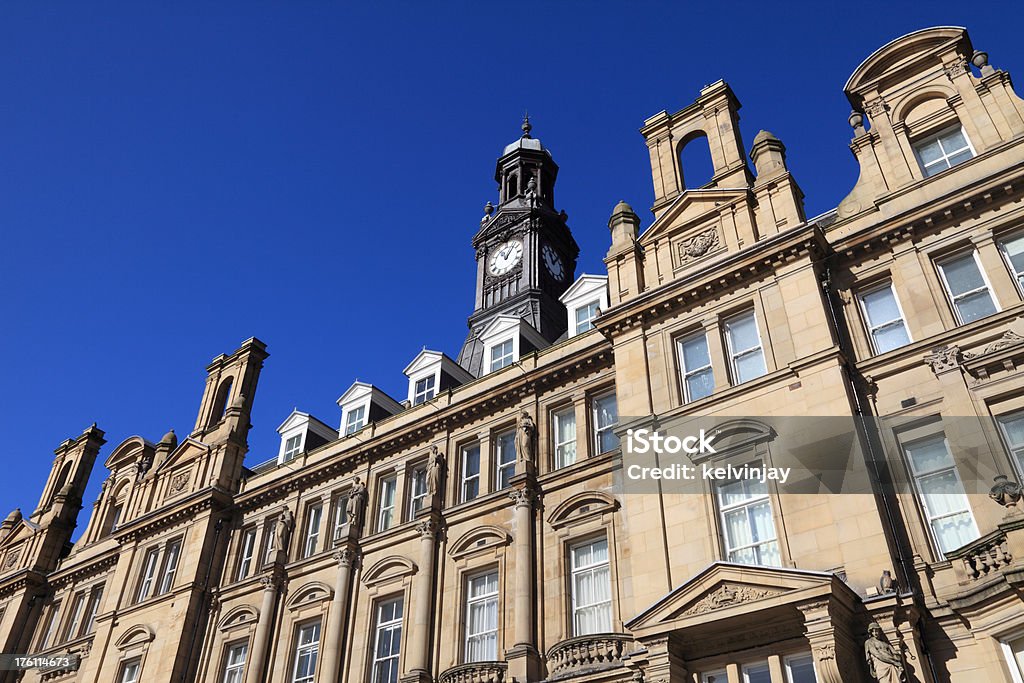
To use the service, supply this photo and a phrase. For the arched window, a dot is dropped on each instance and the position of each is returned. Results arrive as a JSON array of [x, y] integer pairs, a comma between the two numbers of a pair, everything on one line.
[[695, 165], [62, 477], [221, 403], [513, 186]]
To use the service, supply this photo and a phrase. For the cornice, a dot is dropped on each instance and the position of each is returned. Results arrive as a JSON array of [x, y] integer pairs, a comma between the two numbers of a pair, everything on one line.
[[76, 573]]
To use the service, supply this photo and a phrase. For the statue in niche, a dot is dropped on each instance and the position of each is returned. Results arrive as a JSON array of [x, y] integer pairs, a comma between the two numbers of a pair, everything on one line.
[[525, 431], [885, 665], [434, 464], [356, 504], [283, 530]]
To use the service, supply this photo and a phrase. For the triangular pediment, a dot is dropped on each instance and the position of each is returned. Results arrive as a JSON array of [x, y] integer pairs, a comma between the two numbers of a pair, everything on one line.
[[188, 450], [503, 220], [725, 589], [424, 359], [358, 392], [297, 418], [690, 209], [585, 286]]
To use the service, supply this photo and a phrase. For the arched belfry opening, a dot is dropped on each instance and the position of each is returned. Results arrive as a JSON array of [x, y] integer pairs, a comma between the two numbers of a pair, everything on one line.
[[220, 404], [696, 168]]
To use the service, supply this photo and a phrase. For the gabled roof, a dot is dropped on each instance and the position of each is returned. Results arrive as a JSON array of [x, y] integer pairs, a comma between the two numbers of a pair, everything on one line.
[[298, 418], [504, 323], [584, 285], [724, 589], [427, 359], [360, 391], [700, 204]]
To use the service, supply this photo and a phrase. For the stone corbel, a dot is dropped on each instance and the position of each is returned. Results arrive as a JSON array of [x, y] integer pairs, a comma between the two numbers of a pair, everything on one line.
[[832, 647]]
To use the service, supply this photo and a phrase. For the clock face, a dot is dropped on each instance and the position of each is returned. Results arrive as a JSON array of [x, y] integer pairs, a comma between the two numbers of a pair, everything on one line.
[[553, 262], [505, 257]]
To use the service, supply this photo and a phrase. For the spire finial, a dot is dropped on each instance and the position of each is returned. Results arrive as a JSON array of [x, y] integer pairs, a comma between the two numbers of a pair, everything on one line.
[[526, 125]]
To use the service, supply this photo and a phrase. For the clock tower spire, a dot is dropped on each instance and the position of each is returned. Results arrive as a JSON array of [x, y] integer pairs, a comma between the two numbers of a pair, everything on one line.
[[525, 253]]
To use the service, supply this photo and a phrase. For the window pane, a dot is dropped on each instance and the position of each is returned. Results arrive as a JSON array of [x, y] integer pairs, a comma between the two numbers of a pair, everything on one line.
[[881, 306], [953, 141], [801, 670], [890, 337], [758, 673], [929, 152], [695, 352], [930, 455], [565, 437], [700, 384], [975, 306], [742, 332], [750, 366], [1014, 250], [962, 274]]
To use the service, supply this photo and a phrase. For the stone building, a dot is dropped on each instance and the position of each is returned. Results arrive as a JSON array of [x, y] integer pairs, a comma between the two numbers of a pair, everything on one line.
[[479, 530]]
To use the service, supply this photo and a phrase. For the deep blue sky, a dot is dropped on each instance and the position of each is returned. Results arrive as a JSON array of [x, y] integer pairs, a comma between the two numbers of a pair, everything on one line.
[[177, 177]]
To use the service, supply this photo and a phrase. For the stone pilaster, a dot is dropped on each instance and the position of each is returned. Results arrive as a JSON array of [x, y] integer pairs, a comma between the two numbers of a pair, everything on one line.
[[827, 626], [261, 639], [523, 657], [418, 662], [347, 557]]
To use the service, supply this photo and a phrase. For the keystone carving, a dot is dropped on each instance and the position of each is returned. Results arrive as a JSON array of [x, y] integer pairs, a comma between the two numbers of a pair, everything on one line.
[[944, 358]]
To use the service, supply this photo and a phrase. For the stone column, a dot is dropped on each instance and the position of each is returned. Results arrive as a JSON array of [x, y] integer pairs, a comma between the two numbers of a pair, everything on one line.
[[418, 662], [261, 639], [827, 628], [330, 665], [523, 658]]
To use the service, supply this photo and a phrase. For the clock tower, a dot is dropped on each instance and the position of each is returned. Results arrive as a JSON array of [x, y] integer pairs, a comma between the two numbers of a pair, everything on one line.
[[525, 253]]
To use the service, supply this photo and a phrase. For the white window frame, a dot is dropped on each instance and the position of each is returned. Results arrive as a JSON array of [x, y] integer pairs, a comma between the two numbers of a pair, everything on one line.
[[484, 599], [760, 667], [918, 475], [310, 649], [735, 354], [418, 488], [234, 667], [686, 372], [292, 450], [169, 567], [340, 514], [466, 479], [506, 358], [576, 570], [949, 290], [359, 413], [746, 504], [787, 663], [127, 668], [246, 552], [1018, 277], [937, 137], [871, 327], [587, 323], [428, 393], [314, 514], [269, 552], [149, 573], [1015, 666], [1015, 450], [503, 466], [598, 430], [95, 595], [75, 616], [386, 512], [562, 447], [381, 627], [51, 624]]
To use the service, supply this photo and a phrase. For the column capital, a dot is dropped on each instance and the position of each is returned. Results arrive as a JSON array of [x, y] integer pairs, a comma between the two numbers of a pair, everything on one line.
[[347, 556], [524, 497], [428, 528], [271, 581]]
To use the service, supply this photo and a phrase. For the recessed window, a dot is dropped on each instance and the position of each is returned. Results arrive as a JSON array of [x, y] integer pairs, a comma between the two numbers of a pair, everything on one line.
[[418, 490], [967, 287], [234, 663], [606, 417], [502, 355], [1013, 251], [757, 673], [149, 565], [591, 588], [695, 364], [1013, 650], [90, 613], [505, 458], [51, 625], [715, 677], [745, 353], [115, 516], [470, 472], [424, 390], [313, 516], [268, 542], [170, 568], [75, 617], [130, 671], [386, 513], [307, 647], [482, 618], [387, 643], [585, 316], [942, 151], [800, 669], [292, 447], [247, 549], [1012, 427], [884, 318], [340, 515], [747, 523], [564, 425], [941, 492], [355, 419]]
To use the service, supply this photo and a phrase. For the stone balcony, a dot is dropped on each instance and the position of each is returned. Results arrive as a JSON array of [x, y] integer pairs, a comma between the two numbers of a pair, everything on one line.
[[475, 672], [586, 654], [992, 554]]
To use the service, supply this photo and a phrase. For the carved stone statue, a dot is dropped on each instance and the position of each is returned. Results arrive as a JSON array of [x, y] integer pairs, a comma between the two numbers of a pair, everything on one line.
[[886, 584], [885, 665], [356, 504], [1005, 492], [283, 530], [434, 465], [525, 431], [531, 192]]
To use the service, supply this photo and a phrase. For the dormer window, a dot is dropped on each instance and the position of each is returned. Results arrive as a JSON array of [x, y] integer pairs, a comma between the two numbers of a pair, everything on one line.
[[292, 447], [355, 419], [943, 150], [362, 404], [502, 355], [584, 301], [425, 389], [506, 339]]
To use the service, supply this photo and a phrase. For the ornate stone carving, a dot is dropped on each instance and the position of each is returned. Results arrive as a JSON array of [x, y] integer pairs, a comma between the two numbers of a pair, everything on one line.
[[179, 481], [476, 672], [876, 107], [11, 560], [523, 497], [525, 431], [956, 68], [283, 530], [269, 582], [1005, 492], [427, 528], [1008, 340], [985, 556], [944, 358], [356, 504], [587, 653], [727, 596], [435, 464], [885, 664], [346, 557], [698, 245]]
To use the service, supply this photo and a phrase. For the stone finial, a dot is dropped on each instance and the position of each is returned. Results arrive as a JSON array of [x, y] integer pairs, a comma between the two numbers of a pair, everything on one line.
[[980, 60], [488, 209], [526, 125], [857, 122], [1005, 492], [768, 154], [169, 440]]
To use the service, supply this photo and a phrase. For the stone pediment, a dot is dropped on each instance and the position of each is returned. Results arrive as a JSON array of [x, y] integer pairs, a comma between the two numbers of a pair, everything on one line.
[[725, 589], [188, 450], [695, 210]]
